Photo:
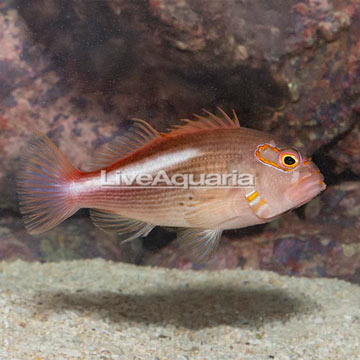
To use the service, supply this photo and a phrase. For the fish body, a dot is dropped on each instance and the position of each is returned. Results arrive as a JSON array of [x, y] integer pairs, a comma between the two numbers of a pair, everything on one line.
[[51, 189], [210, 152]]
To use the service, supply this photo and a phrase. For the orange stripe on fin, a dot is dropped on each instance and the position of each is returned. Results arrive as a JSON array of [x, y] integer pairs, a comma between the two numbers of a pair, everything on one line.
[[257, 206], [261, 212], [253, 196]]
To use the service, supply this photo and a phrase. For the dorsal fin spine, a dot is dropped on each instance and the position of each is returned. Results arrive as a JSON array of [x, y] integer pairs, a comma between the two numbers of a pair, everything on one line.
[[236, 118], [205, 123], [146, 127], [227, 117], [215, 119]]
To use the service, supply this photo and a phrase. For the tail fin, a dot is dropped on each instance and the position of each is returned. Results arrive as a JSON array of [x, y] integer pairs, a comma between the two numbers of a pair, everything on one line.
[[43, 188]]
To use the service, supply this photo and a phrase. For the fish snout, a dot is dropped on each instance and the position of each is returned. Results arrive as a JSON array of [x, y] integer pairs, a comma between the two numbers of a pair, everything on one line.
[[307, 187]]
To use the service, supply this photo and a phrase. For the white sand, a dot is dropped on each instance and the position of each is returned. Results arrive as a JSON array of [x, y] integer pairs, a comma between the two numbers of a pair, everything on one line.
[[94, 309]]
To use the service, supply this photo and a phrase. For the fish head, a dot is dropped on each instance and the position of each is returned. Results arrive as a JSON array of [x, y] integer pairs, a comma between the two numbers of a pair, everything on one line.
[[288, 178]]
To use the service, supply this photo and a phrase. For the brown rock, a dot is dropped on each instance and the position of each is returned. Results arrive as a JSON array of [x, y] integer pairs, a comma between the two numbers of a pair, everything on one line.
[[346, 153], [78, 70]]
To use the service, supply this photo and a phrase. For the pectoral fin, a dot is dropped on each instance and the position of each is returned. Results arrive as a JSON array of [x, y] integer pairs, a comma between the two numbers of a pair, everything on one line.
[[199, 243], [129, 229]]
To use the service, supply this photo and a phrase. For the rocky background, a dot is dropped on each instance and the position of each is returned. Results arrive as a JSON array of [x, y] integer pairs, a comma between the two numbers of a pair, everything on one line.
[[79, 70]]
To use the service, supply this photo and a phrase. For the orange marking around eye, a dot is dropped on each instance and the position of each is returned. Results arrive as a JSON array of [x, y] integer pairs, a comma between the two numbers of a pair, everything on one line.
[[268, 162], [267, 146], [307, 161]]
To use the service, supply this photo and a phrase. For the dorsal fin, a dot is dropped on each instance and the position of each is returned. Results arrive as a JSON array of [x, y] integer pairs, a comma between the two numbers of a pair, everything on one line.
[[142, 133], [205, 123], [139, 134]]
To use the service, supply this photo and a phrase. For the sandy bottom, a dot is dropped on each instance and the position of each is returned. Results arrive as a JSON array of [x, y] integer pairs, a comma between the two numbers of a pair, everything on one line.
[[94, 309]]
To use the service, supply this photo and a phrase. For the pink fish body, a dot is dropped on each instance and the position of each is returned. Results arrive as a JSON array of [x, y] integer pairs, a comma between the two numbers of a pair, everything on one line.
[[203, 177]]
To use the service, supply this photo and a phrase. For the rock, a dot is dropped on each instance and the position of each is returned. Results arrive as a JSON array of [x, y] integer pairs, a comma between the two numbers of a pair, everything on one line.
[[339, 207], [75, 239], [79, 70], [346, 152]]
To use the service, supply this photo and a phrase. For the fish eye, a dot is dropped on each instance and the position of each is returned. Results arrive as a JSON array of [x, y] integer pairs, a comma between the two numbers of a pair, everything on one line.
[[289, 159]]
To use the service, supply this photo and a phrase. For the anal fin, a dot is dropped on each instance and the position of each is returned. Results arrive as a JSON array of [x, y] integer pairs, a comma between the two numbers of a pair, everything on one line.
[[200, 244], [129, 229]]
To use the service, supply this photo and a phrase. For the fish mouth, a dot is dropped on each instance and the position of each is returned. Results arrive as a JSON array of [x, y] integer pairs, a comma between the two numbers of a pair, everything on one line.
[[306, 188]]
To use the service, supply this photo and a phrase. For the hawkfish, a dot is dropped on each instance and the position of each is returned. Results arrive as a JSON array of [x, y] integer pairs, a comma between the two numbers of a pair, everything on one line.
[[123, 197]]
